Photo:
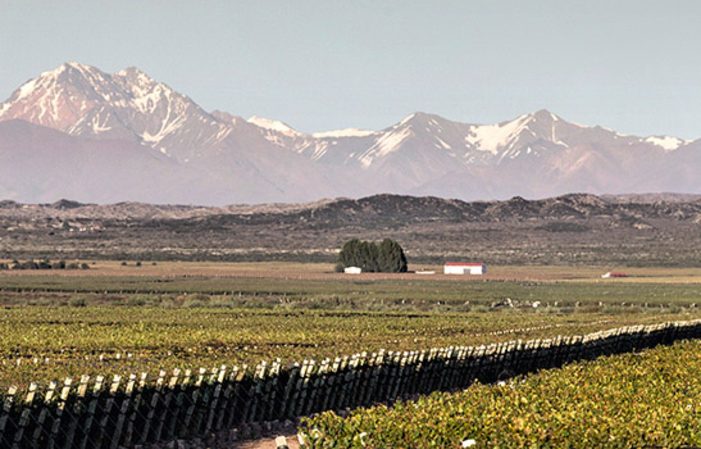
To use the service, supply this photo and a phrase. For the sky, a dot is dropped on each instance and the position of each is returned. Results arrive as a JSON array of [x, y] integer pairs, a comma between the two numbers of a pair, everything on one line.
[[632, 66]]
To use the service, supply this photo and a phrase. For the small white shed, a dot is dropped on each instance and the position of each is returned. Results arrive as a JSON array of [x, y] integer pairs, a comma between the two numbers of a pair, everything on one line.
[[464, 268], [352, 270]]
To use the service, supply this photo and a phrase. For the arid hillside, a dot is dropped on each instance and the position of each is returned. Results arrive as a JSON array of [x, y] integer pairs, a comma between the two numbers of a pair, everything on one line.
[[661, 230]]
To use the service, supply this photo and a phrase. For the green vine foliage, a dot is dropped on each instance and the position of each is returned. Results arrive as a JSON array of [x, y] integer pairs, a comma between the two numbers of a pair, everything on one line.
[[651, 399]]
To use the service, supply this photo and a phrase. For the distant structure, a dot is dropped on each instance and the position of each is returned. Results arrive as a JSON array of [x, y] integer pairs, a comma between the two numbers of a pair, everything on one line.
[[464, 268], [611, 274], [352, 270]]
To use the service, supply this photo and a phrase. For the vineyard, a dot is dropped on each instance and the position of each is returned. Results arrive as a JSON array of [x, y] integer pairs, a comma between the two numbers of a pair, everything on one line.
[[40, 344], [179, 336], [98, 413], [650, 399]]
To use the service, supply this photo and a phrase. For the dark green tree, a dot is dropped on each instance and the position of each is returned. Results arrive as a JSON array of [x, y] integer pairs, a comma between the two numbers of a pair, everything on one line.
[[387, 257], [350, 254], [391, 258], [368, 257]]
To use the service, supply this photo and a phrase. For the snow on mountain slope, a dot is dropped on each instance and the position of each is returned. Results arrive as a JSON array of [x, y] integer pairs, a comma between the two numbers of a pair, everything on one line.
[[493, 138], [425, 150], [667, 142], [348, 132], [84, 101], [272, 125], [259, 159]]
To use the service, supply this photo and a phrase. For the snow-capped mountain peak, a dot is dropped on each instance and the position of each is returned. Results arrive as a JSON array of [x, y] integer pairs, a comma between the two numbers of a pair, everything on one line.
[[667, 143], [273, 125], [506, 138], [419, 119], [421, 154], [84, 101], [60, 97], [492, 138]]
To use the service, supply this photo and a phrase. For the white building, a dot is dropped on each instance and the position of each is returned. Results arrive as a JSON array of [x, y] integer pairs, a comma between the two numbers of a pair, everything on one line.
[[464, 268], [352, 270]]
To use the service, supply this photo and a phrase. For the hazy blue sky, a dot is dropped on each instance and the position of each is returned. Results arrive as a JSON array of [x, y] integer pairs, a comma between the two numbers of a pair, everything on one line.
[[634, 66]]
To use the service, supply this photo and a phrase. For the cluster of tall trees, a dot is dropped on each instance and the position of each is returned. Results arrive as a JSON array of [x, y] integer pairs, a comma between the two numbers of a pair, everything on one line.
[[385, 257]]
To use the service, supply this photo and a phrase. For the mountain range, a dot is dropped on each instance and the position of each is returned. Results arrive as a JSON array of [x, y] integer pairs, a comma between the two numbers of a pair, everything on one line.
[[80, 133]]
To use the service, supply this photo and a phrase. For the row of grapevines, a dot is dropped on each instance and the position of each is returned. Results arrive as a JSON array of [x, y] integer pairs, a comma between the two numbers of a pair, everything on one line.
[[40, 344], [651, 399]]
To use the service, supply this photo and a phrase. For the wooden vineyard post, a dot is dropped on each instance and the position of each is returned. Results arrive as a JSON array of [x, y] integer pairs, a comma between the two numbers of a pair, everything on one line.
[[405, 375], [28, 409], [527, 358], [502, 351], [228, 402], [419, 372], [194, 415], [360, 373], [431, 376], [254, 392], [79, 407], [397, 375], [328, 391], [224, 396], [382, 370], [460, 370], [554, 358], [123, 409], [317, 385], [452, 374], [90, 412], [7, 411], [414, 373], [446, 366], [269, 392], [138, 401], [178, 424], [436, 366], [58, 415], [289, 392], [311, 386], [219, 379], [105, 418], [375, 366], [483, 363], [301, 398], [238, 401], [344, 379], [424, 370], [166, 409], [206, 395], [152, 405], [544, 354], [387, 376], [41, 420], [326, 388], [471, 366]]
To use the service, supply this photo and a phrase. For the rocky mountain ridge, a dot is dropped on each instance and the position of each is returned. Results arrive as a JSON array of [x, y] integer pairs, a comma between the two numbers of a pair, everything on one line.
[[571, 229], [384, 206], [127, 137]]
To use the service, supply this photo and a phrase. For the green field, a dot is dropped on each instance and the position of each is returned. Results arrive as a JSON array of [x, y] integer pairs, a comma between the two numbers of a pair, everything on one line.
[[115, 319], [316, 286], [651, 399]]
